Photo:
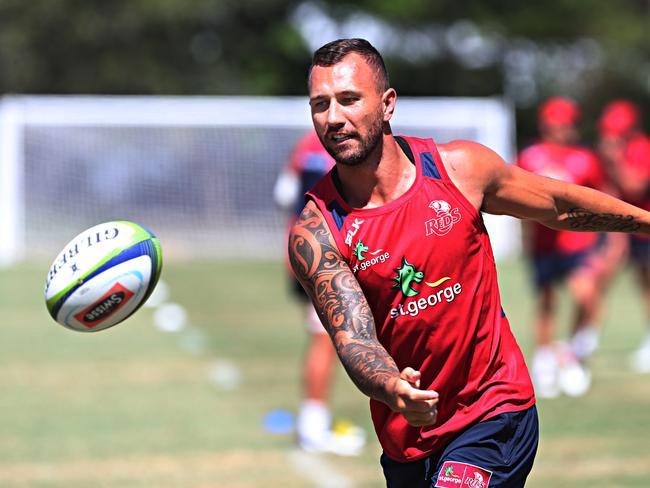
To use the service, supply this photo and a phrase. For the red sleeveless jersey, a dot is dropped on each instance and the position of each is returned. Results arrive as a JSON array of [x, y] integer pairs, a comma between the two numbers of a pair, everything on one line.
[[425, 264]]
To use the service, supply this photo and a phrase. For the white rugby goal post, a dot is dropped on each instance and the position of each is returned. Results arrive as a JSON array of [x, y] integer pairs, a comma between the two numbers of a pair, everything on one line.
[[198, 171]]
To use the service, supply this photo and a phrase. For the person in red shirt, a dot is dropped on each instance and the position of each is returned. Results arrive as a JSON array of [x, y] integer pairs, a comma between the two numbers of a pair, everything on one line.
[[392, 250], [625, 152], [315, 431], [562, 256]]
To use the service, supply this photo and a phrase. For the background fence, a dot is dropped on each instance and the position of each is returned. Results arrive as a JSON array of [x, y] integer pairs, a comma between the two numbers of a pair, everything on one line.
[[198, 171]]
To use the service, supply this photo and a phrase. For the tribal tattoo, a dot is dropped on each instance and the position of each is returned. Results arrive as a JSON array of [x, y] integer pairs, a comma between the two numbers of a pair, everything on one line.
[[340, 303], [585, 220]]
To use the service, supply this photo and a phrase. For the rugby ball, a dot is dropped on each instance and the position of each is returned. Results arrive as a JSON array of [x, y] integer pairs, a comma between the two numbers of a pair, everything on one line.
[[103, 276]]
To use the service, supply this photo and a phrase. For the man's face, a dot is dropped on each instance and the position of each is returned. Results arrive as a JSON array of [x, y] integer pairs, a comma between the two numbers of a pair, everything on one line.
[[563, 134], [348, 109]]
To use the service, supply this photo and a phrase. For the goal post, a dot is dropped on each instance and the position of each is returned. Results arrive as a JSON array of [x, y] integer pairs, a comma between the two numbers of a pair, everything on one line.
[[12, 198], [198, 171]]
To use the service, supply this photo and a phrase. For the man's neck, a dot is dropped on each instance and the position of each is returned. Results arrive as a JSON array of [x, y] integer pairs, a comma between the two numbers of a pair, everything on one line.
[[379, 180]]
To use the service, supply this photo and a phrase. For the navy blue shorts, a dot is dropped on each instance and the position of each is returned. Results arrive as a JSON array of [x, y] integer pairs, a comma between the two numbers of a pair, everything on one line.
[[498, 452], [553, 267], [640, 251]]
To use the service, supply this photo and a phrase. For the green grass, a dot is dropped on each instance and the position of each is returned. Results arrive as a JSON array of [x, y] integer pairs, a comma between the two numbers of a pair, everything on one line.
[[130, 407]]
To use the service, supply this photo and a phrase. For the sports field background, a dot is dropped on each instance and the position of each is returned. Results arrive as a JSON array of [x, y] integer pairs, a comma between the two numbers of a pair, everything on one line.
[[135, 406]]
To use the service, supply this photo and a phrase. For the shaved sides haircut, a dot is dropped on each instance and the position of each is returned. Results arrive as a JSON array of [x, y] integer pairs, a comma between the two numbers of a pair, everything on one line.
[[333, 52]]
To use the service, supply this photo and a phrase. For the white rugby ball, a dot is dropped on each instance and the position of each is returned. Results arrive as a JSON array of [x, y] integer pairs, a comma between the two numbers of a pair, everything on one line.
[[103, 276]]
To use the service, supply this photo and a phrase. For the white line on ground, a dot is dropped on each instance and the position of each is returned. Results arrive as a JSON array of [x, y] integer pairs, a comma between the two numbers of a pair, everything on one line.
[[313, 467]]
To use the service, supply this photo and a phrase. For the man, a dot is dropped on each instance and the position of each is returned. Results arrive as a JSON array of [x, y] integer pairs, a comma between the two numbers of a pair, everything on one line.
[[315, 432], [392, 250], [625, 152], [559, 256]]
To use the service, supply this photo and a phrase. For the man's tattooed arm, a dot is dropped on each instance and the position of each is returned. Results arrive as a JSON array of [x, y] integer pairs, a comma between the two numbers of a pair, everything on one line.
[[581, 219], [557, 204], [341, 304]]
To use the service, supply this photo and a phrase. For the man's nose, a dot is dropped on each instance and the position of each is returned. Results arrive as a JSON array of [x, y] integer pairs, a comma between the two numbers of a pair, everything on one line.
[[335, 115]]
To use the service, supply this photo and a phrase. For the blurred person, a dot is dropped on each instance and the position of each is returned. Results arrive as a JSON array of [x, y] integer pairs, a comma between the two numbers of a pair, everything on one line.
[[562, 256], [308, 162], [625, 152], [392, 250]]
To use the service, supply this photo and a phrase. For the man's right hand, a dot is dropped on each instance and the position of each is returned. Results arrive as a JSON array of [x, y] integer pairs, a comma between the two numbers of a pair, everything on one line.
[[419, 407]]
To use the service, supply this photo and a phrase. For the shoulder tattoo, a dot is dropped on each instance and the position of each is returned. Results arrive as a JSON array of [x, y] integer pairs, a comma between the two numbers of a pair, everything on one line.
[[324, 274]]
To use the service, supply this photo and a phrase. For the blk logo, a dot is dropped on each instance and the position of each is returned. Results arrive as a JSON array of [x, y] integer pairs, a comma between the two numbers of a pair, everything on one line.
[[356, 225]]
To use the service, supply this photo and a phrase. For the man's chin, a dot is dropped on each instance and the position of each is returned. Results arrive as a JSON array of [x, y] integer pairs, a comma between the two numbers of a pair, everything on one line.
[[349, 159], [343, 156]]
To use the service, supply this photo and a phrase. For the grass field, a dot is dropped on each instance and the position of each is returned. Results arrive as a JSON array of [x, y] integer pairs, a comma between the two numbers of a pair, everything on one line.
[[136, 407]]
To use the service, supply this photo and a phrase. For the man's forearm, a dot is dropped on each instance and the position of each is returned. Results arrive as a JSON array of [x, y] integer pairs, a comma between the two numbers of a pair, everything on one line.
[[582, 219], [346, 316], [369, 367], [587, 210]]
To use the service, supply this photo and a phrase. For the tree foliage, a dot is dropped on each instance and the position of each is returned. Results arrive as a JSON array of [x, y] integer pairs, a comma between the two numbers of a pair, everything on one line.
[[592, 50], [148, 46]]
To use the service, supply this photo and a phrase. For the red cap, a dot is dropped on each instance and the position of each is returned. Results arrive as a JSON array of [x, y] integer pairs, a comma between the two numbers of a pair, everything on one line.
[[558, 111], [618, 118]]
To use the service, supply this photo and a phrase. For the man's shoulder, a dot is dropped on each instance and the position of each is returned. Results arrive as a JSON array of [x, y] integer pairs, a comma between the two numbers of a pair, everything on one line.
[[312, 229], [430, 143], [463, 145], [472, 167], [309, 219], [462, 155]]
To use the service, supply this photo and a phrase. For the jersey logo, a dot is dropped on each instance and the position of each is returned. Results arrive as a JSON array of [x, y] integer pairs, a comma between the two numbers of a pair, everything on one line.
[[444, 220], [407, 274], [353, 231], [455, 474], [413, 307], [359, 250], [366, 262]]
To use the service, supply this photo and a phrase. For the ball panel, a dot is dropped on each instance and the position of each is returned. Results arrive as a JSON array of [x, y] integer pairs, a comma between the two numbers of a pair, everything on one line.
[[85, 254], [139, 249], [103, 276], [153, 250], [140, 232], [87, 250], [108, 298]]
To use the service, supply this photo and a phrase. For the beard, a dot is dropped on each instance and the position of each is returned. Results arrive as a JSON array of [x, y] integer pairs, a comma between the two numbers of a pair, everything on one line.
[[368, 143]]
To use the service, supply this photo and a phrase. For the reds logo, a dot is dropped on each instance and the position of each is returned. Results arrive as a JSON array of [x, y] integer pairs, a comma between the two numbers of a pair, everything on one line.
[[476, 482], [455, 474], [445, 218]]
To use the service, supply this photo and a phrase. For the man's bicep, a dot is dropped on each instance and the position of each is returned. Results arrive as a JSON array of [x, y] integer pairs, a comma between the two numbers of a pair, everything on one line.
[[520, 193], [304, 246], [328, 280], [496, 187]]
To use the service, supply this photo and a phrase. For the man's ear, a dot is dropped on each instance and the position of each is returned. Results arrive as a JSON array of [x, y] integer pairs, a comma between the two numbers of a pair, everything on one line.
[[388, 99]]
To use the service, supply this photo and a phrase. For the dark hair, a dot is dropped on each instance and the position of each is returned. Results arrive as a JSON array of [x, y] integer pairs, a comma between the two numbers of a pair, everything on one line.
[[333, 52]]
